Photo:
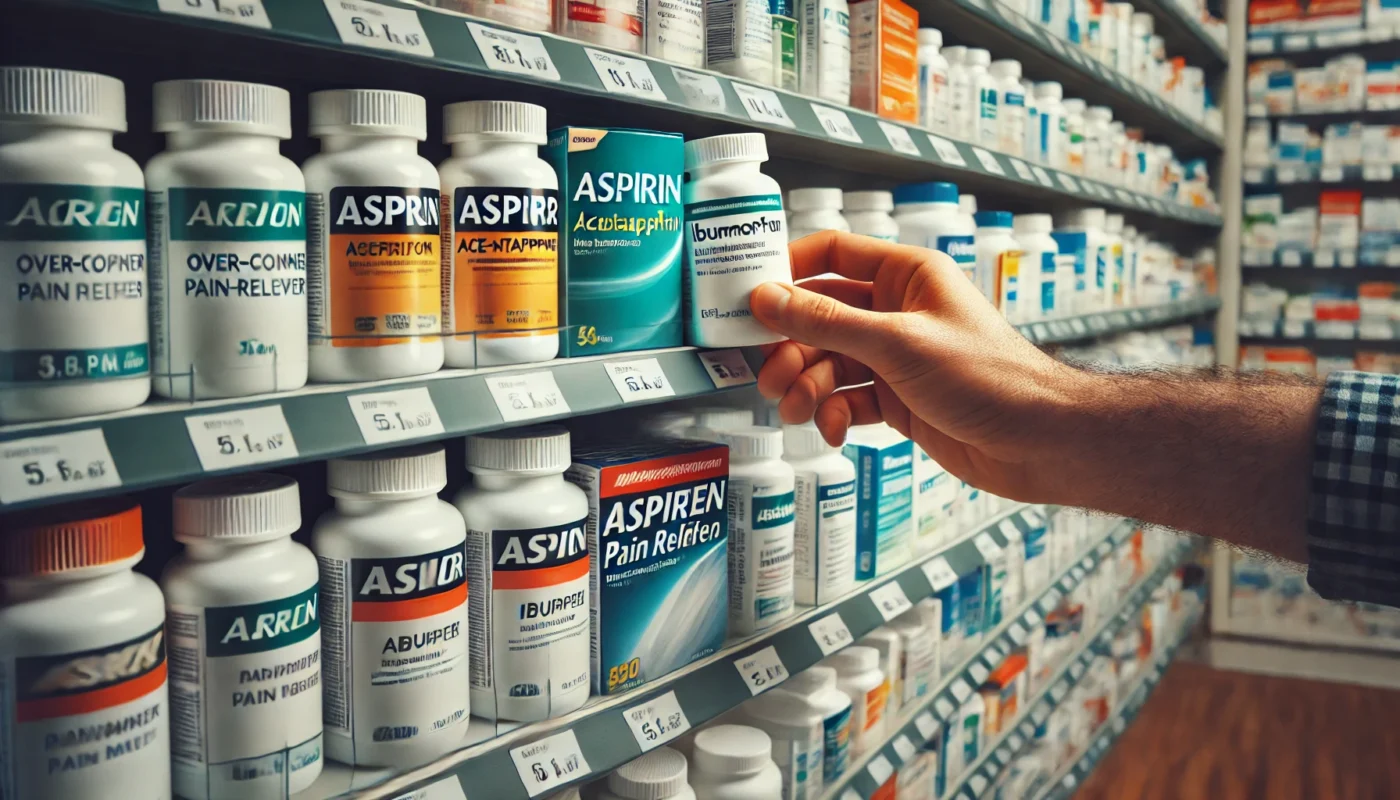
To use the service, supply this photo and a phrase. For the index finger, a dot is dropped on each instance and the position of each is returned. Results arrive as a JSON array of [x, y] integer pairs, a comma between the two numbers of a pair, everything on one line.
[[860, 258]]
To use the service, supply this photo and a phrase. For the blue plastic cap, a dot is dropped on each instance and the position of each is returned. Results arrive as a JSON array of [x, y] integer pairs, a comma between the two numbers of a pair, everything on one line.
[[932, 192], [992, 219]]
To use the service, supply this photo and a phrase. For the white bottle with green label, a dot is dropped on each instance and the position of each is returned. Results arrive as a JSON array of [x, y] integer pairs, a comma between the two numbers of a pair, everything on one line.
[[72, 249], [735, 239], [824, 539], [826, 49], [227, 242], [761, 521]]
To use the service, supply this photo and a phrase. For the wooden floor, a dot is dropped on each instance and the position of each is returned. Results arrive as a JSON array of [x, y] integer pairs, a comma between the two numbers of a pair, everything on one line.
[[1207, 734]]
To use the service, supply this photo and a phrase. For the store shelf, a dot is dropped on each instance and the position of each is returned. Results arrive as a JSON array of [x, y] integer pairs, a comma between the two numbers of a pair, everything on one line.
[[1317, 118], [1336, 41], [1310, 174], [1324, 261], [1183, 33], [1103, 323], [1313, 636], [1250, 336]]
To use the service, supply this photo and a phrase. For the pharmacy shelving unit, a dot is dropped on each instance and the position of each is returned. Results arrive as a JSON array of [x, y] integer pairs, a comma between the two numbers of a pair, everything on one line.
[[1320, 42], [1348, 175]]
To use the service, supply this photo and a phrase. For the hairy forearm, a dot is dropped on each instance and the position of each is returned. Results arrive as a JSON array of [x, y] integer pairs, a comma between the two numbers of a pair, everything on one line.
[[1219, 454]]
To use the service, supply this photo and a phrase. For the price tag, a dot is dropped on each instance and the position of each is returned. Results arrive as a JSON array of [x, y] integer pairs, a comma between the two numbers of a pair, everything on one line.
[[890, 600], [1329, 174], [880, 769], [961, 691], [946, 151], [899, 138], [1022, 170], [642, 379], [978, 784], [851, 794], [1076, 670], [508, 51], [396, 415], [374, 25], [1055, 44], [1068, 782], [988, 161], [1014, 742], [1069, 184], [762, 105], [625, 75], [449, 788], [987, 546], [926, 724], [1077, 327], [1086, 563], [657, 721], [1346, 258], [1097, 324], [1058, 692], [979, 673], [1039, 714], [239, 438], [1040, 331], [239, 12], [527, 396], [943, 708], [700, 90], [1119, 724], [1027, 729], [727, 368], [831, 633], [940, 575], [1295, 42], [761, 670], [995, 654], [54, 465], [1017, 633], [1032, 618], [1376, 172], [836, 123], [550, 762], [1104, 549], [904, 747], [1077, 574], [1042, 176], [1002, 754]]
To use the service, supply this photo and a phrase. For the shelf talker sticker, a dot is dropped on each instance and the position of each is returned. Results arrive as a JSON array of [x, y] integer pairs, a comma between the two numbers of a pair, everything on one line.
[[550, 762], [239, 438], [55, 465]]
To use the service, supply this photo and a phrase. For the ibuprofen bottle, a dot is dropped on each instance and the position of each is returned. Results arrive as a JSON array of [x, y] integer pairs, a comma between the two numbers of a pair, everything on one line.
[[760, 529], [243, 623], [82, 650], [734, 762], [72, 249], [394, 603], [657, 775], [227, 241], [868, 213], [527, 559], [500, 290], [824, 539], [374, 236]]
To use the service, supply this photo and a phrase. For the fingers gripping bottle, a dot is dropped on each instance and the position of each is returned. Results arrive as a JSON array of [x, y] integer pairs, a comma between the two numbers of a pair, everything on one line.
[[393, 610], [527, 554]]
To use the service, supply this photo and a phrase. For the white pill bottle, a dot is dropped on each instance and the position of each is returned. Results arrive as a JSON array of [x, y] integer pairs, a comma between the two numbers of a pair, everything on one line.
[[227, 216], [732, 211], [1040, 287], [72, 341], [660, 774], [527, 565], [243, 622], [824, 539], [761, 526], [858, 674], [814, 210], [795, 728], [816, 686], [374, 238], [82, 648], [394, 610], [734, 762], [868, 214]]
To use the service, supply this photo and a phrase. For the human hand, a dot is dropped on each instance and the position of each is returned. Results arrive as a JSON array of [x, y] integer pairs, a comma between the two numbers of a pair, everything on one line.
[[904, 338]]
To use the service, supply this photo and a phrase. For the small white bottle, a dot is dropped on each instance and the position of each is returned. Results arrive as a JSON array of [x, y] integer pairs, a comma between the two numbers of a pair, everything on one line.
[[961, 97], [918, 666], [890, 645], [1080, 233], [609, 23], [1140, 28], [1011, 106], [1030, 142], [858, 675], [739, 39], [934, 103], [82, 648], [659, 774], [495, 164], [825, 53], [795, 728], [734, 762], [675, 31], [928, 216], [374, 267], [242, 606], [671, 423], [227, 243], [761, 522], [1050, 115], [868, 213], [1074, 136], [815, 210], [530, 15], [729, 204], [72, 342], [393, 592], [1130, 265], [1116, 154], [816, 686], [1117, 267], [1039, 288], [527, 548], [999, 262], [983, 128], [824, 542], [1097, 141], [711, 421]]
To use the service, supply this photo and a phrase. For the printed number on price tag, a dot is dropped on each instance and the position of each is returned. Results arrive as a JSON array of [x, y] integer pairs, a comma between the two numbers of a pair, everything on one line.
[[391, 416], [1042, 176], [946, 151], [939, 573], [831, 633], [49, 466], [701, 91], [381, 27], [657, 721], [988, 161], [550, 762], [836, 123], [899, 138], [763, 105], [890, 600], [625, 75], [239, 12], [986, 545], [642, 379], [508, 51], [761, 670], [727, 368], [534, 394], [239, 438]]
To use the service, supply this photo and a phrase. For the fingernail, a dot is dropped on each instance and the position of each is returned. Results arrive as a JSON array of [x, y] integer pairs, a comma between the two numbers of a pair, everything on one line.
[[769, 300]]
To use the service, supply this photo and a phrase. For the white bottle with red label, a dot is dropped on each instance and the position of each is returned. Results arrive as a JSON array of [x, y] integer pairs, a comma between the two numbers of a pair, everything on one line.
[[393, 610], [83, 712], [527, 560]]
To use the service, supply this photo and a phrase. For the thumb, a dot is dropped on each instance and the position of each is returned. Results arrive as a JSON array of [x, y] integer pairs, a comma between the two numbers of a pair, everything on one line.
[[823, 322]]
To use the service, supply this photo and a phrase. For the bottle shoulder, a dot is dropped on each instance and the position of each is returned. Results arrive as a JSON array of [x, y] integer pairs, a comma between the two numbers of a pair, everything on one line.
[[82, 615], [494, 509], [325, 171], [219, 168], [388, 531], [491, 170], [38, 162], [726, 185], [242, 576]]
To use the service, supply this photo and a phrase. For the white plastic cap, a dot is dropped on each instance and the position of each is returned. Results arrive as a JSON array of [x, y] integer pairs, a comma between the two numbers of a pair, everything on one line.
[[725, 148], [375, 112], [956, 54], [721, 418], [506, 120], [1073, 105], [967, 203], [978, 57], [1113, 223], [42, 96], [537, 450], [248, 507], [810, 681], [667, 423], [1084, 218], [805, 441], [814, 199], [732, 748], [1099, 113], [869, 201], [1117, 128], [1049, 90], [388, 474], [656, 775], [1130, 232], [1032, 223], [229, 106], [1142, 21], [931, 37], [1006, 67], [753, 442], [857, 658]]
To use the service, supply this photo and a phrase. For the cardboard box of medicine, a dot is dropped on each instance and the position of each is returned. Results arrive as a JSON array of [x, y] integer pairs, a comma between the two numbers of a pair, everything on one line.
[[884, 59], [658, 533], [1274, 15], [620, 238], [884, 499]]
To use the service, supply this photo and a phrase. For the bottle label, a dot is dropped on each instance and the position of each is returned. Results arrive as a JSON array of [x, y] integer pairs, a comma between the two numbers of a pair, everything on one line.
[[245, 694], [799, 761], [531, 15], [937, 490], [394, 639], [785, 53], [963, 250], [826, 51], [79, 724], [617, 25], [987, 115], [529, 616], [836, 745], [375, 271], [675, 31], [732, 246], [918, 665], [74, 258], [1008, 282], [824, 539], [761, 522], [1075, 245], [1047, 283], [875, 702], [504, 276]]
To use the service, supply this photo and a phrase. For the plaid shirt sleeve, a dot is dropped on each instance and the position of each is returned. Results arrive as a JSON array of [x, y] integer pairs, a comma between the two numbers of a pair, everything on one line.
[[1354, 507]]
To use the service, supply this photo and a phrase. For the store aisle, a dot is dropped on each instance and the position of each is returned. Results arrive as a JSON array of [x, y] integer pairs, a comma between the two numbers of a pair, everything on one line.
[[1221, 735]]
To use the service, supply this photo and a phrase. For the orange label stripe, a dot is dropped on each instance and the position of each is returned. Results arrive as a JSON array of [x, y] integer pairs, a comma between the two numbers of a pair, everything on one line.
[[416, 608], [538, 578], [95, 700]]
